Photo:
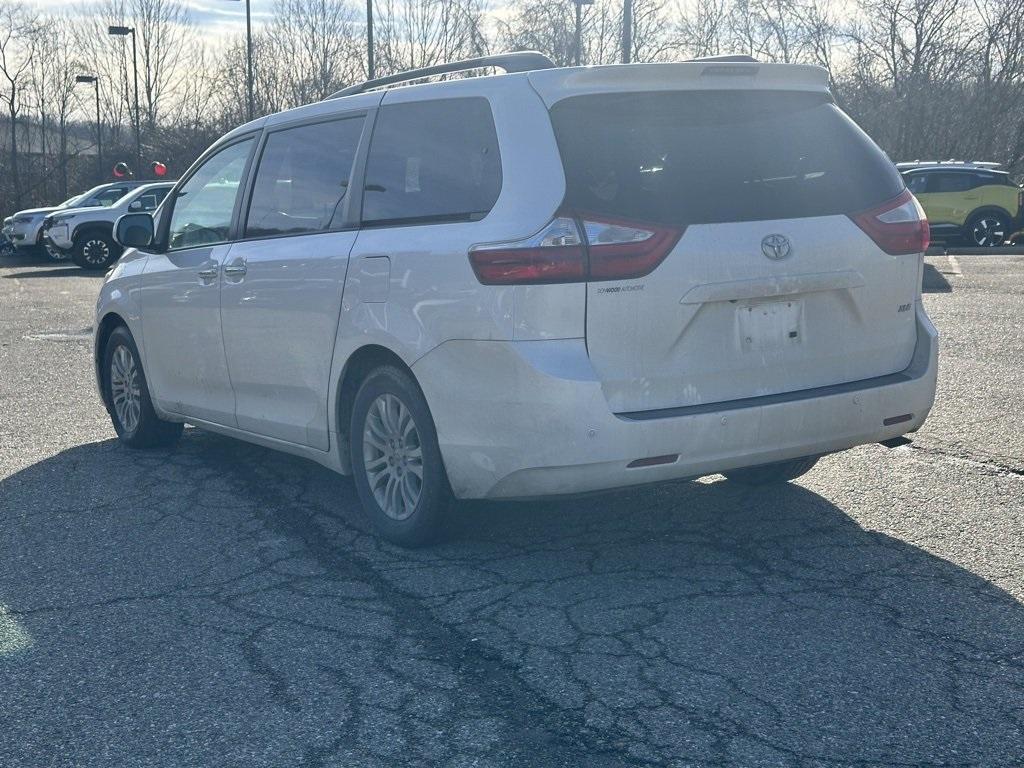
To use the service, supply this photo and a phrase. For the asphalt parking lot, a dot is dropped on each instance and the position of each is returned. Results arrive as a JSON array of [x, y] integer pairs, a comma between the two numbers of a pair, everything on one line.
[[224, 605]]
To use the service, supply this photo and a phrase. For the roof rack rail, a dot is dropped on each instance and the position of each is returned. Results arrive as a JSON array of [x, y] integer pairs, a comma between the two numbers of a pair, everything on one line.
[[515, 61], [948, 163]]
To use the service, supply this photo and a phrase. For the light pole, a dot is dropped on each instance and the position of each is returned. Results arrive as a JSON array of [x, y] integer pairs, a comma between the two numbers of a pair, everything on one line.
[[369, 40], [578, 53], [627, 31], [122, 32], [248, 59], [95, 80]]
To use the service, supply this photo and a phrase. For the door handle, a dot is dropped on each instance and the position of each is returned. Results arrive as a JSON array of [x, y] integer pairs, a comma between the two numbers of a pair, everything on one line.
[[235, 270], [208, 274]]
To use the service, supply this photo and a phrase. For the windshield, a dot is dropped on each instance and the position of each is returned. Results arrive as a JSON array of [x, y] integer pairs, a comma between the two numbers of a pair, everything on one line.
[[70, 202]]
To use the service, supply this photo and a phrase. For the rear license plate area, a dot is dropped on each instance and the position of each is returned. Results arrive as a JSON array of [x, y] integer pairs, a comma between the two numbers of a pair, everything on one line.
[[770, 325]]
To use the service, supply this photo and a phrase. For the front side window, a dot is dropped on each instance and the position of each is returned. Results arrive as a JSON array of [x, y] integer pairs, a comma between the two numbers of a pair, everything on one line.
[[432, 161], [205, 204], [303, 178], [951, 182]]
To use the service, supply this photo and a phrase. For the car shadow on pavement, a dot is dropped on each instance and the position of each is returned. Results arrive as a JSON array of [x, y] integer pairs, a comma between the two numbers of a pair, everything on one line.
[[698, 622], [934, 281], [56, 272]]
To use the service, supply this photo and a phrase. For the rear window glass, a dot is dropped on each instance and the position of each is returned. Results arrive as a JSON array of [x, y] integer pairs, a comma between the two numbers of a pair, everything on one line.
[[702, 157], [432, 161]]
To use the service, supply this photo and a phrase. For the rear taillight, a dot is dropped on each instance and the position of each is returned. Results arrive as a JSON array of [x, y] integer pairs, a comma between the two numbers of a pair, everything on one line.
[[898, 226], [553, 255], [607, 249], [623, 250]]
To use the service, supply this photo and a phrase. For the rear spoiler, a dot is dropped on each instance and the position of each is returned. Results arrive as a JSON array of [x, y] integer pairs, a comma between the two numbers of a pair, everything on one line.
[[712, 74]]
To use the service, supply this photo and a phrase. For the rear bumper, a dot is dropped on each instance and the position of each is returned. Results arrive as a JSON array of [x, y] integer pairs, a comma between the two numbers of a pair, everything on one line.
[[523, 419]]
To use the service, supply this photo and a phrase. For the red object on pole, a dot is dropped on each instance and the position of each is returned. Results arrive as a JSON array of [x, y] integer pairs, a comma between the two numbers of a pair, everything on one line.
[[159, 169]]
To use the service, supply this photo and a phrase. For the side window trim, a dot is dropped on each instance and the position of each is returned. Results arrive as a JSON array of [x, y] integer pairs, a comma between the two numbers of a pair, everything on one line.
[[341, 221], [172, 196]]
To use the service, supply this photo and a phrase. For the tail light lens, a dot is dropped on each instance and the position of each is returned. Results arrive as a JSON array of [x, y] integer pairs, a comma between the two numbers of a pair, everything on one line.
[[574, 249], [898, 227], [623, 250], [554, 255]]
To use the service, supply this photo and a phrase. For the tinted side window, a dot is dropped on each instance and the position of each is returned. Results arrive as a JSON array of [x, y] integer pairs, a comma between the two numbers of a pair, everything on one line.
[[432, 161], [984, 179], [205, 203], [303, 178], [108, 197], [951, 182], [917, 182]]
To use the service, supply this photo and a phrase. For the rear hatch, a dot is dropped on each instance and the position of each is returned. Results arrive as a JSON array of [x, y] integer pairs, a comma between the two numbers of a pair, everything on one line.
[[761, 274]]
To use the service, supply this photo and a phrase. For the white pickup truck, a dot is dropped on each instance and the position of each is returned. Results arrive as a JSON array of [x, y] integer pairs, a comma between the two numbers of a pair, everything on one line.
[[87, 233]]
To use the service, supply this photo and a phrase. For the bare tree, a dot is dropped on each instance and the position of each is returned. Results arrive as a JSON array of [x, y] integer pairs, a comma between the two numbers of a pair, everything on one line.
[[19, 39]]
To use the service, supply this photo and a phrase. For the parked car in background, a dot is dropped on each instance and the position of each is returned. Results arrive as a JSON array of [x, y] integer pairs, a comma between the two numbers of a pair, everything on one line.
[[973, 201], [86, 234], [27, 226], [551, 281]]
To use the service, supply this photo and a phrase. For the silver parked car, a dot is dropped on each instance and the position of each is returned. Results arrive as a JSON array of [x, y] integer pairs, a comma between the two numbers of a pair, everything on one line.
[[550, 281]]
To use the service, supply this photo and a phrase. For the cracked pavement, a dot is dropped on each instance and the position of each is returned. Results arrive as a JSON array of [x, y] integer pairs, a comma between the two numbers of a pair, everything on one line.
[[225, 605]]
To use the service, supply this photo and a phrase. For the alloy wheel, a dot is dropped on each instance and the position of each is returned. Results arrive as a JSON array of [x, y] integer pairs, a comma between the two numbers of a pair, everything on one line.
[[393, 457], [125, 390], [96, 251], [988, 232]]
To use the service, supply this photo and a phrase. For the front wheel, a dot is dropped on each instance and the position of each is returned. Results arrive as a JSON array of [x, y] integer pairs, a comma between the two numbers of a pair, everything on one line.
[[56, 255], [127, 396], [768, 474], [95, 250], [988, 230], [396, 462]]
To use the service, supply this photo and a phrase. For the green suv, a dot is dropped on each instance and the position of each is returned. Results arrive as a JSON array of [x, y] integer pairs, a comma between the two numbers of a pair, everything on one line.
[[969, 200]]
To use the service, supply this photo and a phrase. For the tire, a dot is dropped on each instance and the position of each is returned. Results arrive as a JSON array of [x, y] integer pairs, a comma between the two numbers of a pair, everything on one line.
[[397, 467], [987, 230], [58, 257], [95, 250], [134, 419], [769, 474]]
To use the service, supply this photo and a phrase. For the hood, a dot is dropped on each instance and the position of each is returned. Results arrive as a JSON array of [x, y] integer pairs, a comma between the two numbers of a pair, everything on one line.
[[67, 213], [34, 212]]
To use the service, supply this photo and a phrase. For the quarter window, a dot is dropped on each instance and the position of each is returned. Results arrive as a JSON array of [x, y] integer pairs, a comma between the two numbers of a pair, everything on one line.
[[205, 203], [303, 178], [432, 161]]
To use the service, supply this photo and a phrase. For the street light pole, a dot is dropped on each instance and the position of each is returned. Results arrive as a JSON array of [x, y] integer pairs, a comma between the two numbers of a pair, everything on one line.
[[250, 99], [248, 57], [369, 40], [627, 31], [579, 31], [95, 80], [121, 32]]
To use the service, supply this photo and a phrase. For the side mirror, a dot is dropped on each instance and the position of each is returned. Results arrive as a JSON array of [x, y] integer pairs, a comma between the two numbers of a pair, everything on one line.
[[134, 230]]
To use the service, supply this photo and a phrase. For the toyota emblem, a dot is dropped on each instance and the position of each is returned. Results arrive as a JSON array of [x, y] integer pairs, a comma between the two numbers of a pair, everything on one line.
[[776, 247]]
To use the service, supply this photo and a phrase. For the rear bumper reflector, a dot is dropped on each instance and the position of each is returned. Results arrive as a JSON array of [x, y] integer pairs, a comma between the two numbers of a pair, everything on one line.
[[897, 419], [653, 461]]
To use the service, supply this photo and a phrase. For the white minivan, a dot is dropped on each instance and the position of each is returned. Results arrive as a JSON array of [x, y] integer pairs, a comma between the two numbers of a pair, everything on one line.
[[549, 281]]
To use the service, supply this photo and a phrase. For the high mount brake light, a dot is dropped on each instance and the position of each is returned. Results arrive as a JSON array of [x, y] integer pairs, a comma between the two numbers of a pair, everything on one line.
[[898, 226], [576, 248]]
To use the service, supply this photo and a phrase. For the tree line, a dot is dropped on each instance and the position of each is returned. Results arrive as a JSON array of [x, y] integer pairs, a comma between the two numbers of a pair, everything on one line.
[[928, 79]]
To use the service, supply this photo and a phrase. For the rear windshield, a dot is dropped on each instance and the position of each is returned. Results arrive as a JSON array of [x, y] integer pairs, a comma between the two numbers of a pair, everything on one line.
[[701, 157]]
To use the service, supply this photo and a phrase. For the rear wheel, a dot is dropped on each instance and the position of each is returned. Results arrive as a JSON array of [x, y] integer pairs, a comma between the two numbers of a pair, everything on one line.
[[396, 462], [767, 474], [987, 230], [127, 395], [95, 250]]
